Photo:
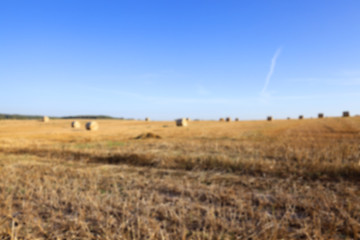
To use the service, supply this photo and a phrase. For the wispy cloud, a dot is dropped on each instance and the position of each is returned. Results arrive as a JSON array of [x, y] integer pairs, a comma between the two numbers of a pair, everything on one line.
[[202, 91], [339, 81], [218, 101], [156, 75], [350, 82], [351, 73], [165, 100], [271, 71], [317, 96], [151, 76]]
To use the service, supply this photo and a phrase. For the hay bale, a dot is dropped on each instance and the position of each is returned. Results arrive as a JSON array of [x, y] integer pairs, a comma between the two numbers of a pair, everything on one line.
[[92, 126], [288, 118], [269, 118], [346, 114], [188, 119], [181, 122], [147, 119], [221, 120], [45, 119], [228, 119], [320, 115], [236, 119], [75, 124], [301, 117]]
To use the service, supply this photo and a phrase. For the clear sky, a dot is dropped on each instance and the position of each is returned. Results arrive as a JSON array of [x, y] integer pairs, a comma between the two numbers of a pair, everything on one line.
[[186, 58]]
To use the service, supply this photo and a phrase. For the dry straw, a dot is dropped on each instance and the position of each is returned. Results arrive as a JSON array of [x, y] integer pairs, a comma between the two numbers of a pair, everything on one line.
[[221, 120], [92, 126], [147, 119], [45, 119], [228, 119], [181, 122], [75, 124]]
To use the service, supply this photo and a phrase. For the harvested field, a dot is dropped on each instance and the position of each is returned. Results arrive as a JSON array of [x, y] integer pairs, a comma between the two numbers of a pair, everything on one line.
[[240, 180]]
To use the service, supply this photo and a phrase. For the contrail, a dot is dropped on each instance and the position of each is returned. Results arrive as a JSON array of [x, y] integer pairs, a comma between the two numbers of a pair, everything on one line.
[[272, 67]]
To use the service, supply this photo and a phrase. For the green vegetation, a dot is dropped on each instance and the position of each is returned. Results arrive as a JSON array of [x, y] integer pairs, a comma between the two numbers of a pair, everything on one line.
[[35, 117], [20, 117]]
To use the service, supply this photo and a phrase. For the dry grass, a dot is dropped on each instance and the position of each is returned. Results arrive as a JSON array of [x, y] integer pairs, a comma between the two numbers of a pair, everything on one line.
[[240, 180]]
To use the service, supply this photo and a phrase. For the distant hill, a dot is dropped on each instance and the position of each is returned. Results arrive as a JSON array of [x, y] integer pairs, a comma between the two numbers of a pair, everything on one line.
[[29, 117]]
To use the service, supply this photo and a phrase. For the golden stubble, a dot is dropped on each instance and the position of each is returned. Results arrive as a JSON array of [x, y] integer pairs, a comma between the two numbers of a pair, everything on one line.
[[284, 179]]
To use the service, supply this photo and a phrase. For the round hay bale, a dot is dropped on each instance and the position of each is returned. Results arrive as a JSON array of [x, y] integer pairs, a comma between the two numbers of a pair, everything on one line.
[[236, 119], [301, 117], [221, 120], [228, 119], [188, 119], [181, 122], [147, 119], [75, 124], [320, 115], [288, 118], [92, 126], [269, 118], [45, 119], [346, 114]]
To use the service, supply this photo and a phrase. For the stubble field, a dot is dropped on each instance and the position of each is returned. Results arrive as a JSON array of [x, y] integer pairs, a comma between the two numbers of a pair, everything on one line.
[[285, 179]]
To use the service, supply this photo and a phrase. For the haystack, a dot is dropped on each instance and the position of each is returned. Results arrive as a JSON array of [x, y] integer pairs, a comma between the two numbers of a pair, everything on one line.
[[301, 117], [45, 119], [320, 115], [182, 122], [188, 119], [228, 119], [236, 119], [269, 118], [75, 124], [346, 114], [221, 120], [147, 119], [92, 126], [148, 136]]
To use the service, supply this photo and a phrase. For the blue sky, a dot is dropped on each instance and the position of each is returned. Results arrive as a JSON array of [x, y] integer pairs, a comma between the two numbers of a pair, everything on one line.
[[169, 59]]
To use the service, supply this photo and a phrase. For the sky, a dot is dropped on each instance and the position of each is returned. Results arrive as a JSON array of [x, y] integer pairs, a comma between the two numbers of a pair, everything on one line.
[[190, 58]]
